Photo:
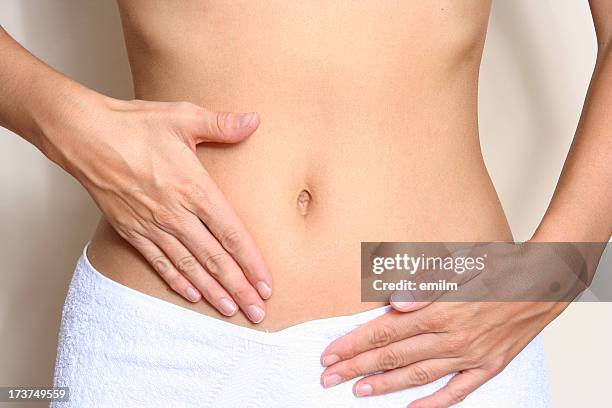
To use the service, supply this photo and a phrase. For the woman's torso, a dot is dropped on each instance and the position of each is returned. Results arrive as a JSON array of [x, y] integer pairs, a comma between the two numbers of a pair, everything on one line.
[[371, 107]]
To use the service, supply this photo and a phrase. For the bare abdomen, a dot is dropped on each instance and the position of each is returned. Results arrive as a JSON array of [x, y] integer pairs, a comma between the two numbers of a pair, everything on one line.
[[310, 195], [368, 133]]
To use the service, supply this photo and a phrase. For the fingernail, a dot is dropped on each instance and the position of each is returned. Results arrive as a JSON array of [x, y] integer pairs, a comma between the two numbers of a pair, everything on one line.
[[402, 296], [363, 390], [329, 360], [245, 120], [193, 295], [227, 307], [402, 305], [402, 299], [331, 380], [263, 289], [255, 313]]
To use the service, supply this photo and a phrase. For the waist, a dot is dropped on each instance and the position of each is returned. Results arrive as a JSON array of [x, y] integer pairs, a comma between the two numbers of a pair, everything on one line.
[[211, 363], [359, 189]]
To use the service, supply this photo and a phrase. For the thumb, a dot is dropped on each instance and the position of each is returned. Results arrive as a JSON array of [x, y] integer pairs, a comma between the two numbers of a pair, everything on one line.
[[403, 301], [224, 127]]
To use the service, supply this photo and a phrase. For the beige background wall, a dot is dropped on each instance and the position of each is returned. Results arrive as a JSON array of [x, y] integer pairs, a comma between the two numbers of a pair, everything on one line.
[[537, 65]]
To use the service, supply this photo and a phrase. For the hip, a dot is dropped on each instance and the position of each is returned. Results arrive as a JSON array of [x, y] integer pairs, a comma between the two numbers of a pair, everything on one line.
[[118, 346]]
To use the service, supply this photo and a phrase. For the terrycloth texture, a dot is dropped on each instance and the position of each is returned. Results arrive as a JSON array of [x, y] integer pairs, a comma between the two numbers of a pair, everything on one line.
[[121, 348]]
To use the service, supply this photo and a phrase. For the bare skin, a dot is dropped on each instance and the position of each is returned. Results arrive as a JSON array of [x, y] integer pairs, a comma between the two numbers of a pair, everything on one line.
[[421, 341], [354, 117], [366, 131]]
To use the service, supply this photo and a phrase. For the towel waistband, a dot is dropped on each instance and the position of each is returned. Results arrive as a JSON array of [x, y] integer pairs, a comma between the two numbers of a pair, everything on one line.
[[311, 329]]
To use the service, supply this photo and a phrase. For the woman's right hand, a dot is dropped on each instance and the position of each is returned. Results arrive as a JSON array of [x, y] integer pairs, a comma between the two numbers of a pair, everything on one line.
[[137, 160]]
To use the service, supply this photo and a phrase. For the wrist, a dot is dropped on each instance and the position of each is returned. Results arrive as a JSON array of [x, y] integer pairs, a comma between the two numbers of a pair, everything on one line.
[[37, 102], [61, 131]]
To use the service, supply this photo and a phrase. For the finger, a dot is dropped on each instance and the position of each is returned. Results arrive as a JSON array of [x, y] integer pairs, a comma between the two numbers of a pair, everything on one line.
[[453, 281], [412, 300], [219, 217], [405, 306], [420, 272], [217, 264], [222, 127], [380, 332], [163, 266], [393, 356], [189, 266], [421, 373], [459, 387]]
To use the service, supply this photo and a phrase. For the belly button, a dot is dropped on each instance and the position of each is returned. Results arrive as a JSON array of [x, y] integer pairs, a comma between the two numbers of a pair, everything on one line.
[[303, 201]]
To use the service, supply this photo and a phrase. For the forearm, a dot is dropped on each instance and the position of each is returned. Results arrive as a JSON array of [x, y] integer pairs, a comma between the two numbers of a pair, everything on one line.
[[581, 208], [137, 161], [37, 102]]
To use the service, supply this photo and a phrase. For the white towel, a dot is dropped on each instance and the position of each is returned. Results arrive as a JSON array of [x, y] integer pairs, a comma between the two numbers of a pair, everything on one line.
[[121, 348]]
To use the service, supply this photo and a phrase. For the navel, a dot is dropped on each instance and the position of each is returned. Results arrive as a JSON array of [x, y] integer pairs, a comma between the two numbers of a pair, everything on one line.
[[304, 200]]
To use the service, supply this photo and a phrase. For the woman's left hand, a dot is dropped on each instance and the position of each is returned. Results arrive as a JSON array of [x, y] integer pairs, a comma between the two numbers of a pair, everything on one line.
[[400, 349]]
